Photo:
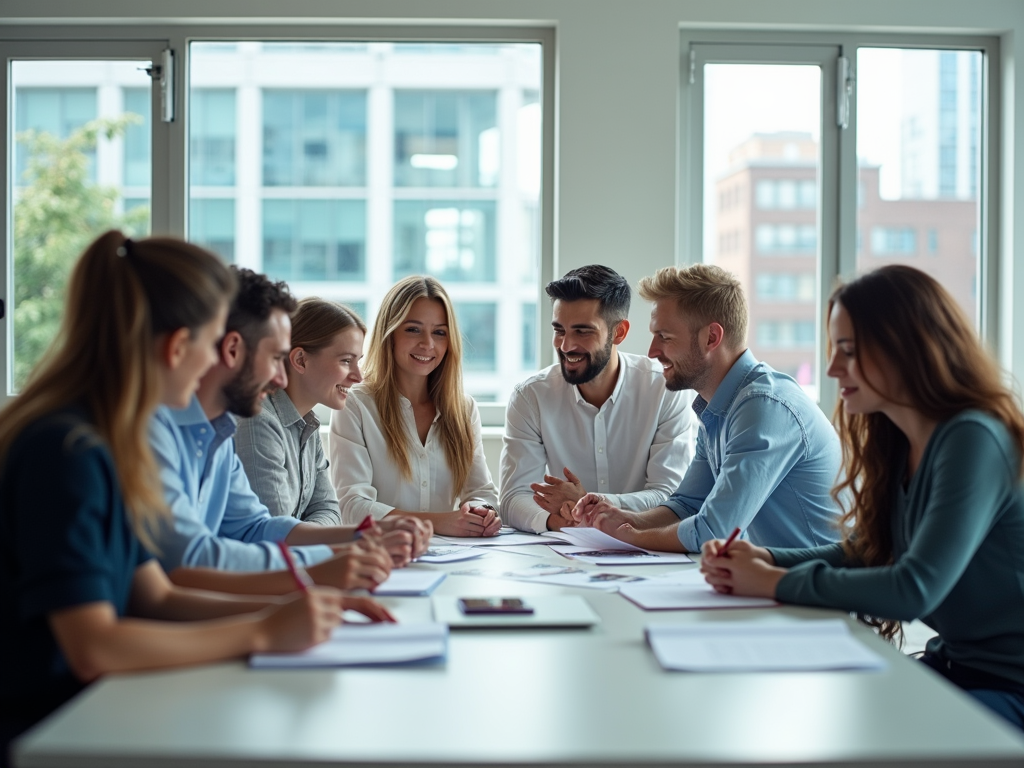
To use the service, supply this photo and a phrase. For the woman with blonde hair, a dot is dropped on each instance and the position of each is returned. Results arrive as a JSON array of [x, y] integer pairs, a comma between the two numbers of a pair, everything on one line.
[[280, 447], [80, 493], [934, 527], [408, 441]]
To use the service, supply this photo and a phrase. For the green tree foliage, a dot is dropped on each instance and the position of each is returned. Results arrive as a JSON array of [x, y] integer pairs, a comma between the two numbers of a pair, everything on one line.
[[57, 213]]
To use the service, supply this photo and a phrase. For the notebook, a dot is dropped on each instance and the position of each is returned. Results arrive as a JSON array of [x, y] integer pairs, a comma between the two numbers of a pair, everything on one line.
[[548, 611], [366, 644], [409, 582]]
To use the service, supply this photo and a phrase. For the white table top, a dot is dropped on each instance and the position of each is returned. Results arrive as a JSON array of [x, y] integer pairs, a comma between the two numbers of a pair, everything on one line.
[[538, 697]]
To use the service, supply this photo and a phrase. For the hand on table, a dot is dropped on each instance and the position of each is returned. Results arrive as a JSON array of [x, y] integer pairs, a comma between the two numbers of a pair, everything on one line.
[[743, 570], [371, 609], [594, 511], [469, 520], [554, 493], [420, 530], [300, 620], [356, 565]]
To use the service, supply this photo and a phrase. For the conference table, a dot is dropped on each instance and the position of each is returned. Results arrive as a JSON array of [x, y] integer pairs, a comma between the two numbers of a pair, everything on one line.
[[540, 697]]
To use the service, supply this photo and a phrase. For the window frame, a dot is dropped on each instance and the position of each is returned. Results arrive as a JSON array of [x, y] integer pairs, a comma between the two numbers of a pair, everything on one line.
[[838, 178], [170, 183]]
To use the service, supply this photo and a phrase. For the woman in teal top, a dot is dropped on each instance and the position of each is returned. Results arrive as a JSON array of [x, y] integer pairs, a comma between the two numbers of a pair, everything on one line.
[[934, 524]]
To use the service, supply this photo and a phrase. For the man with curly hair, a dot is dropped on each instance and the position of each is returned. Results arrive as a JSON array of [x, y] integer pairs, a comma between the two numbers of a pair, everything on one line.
[[218, 523]]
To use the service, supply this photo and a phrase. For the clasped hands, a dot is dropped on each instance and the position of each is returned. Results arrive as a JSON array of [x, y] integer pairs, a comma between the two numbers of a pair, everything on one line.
[[743, 570]]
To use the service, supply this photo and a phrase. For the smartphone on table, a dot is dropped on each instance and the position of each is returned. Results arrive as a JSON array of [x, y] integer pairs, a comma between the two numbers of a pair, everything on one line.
[[483, 606]]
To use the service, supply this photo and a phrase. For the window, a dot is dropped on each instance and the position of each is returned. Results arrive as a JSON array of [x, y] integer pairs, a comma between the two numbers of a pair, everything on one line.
[[890, 240], [341, 167], [902, 178]]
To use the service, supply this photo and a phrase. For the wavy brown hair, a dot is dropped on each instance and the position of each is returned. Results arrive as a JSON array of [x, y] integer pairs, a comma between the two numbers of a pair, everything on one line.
[[905, 321], [444, 383], [122, 295]]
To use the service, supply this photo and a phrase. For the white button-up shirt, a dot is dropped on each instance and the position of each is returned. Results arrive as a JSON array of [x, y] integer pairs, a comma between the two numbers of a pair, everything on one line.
[[648, 431], [369, 483]]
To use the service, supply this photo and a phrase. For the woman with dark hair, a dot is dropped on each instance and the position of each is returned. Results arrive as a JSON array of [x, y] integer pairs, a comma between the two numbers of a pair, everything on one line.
[[80, 494], [934, 512]]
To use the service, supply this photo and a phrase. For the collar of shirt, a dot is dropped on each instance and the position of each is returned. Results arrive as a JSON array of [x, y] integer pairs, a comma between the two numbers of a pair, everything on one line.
[[289, 414], [615, 392], [194, 419], [407, 404], [725, 394]]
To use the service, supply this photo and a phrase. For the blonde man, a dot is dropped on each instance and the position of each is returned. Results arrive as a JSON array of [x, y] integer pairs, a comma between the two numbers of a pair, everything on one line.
[[766, 455]]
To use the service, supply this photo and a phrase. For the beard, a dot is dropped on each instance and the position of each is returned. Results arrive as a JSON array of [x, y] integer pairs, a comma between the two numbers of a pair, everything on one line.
[[595, 364], [243, 392], [691, 372]]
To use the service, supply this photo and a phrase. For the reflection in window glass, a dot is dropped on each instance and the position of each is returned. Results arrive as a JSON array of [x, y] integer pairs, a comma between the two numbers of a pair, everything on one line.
[[361, 162], [314, 138], [56, 111], [211, 224], [212, 137], [449, 240], [314, 239], [69, 182], [761, 157], [446, 139], [477, 323], [138, 138], [918, 139], [530, 335]]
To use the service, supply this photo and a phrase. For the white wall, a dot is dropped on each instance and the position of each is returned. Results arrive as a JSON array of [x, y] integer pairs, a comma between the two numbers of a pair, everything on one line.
[[616, 166]]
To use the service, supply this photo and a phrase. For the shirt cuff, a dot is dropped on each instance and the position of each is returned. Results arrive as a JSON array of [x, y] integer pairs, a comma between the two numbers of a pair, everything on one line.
[[687, 533]]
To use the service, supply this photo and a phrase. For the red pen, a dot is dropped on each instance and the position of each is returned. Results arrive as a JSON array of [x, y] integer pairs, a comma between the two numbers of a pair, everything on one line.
[[302, 579], [730, 540], [367, 523]]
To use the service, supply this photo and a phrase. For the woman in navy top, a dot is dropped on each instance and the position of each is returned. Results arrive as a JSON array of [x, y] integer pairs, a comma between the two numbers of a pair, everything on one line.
[[934, 525], [80, 494]]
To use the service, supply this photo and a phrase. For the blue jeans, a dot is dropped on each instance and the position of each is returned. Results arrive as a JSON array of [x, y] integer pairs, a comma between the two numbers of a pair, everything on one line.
[[1002, 696]]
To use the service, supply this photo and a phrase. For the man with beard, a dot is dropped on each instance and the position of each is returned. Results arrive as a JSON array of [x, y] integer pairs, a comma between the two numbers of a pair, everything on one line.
[[767, 457], [600, 420], [219, 524]]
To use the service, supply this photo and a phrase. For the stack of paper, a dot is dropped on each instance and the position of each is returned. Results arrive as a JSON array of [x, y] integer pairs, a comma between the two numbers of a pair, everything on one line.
[[760, 647], [452, 554], [560, 575], [685, 589], [409, 582], [366, 644], [507, 537]]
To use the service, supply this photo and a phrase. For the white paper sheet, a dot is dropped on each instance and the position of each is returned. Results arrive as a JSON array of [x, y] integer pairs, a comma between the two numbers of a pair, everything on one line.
[[507, 537], [560, 575], [619, 556], [409, 582], [449, 554], [685, 589], [363, 644], [760, 647], [592, 538]]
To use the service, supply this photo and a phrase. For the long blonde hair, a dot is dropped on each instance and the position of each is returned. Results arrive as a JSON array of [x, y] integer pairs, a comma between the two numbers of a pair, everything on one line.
[[444, 383], [122, 294], [906, 321]]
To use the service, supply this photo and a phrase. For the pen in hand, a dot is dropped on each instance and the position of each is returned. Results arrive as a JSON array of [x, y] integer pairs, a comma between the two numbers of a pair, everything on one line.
[[728, 542], [302, 579]]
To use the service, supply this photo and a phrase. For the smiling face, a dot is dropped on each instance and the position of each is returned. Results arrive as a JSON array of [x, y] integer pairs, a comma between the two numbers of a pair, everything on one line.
[[332, 371], [582, 339], [853, 375], [677, 347], [421, 341], [263, 370]]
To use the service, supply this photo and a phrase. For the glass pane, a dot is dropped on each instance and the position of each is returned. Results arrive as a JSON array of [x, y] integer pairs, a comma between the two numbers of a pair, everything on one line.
[[918, 149], [342, 167], [451, 240], [70, 181], [761, 166]]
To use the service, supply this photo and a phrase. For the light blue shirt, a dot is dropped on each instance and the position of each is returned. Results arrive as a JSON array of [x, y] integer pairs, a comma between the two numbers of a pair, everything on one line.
[[218, 521], [766, 461]]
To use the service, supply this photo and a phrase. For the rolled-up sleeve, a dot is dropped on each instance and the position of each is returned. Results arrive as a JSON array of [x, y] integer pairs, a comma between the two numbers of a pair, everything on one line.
[[763, 442]]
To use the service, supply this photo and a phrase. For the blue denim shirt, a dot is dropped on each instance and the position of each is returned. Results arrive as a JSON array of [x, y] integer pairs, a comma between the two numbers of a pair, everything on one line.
[[766, 461], [218, 521]]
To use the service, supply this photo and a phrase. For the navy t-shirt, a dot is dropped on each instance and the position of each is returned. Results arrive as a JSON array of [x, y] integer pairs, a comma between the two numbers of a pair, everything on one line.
[[65, 540]]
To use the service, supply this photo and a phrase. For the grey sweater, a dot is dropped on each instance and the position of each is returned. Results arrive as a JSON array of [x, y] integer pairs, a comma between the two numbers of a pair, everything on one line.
[[958, 550]]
